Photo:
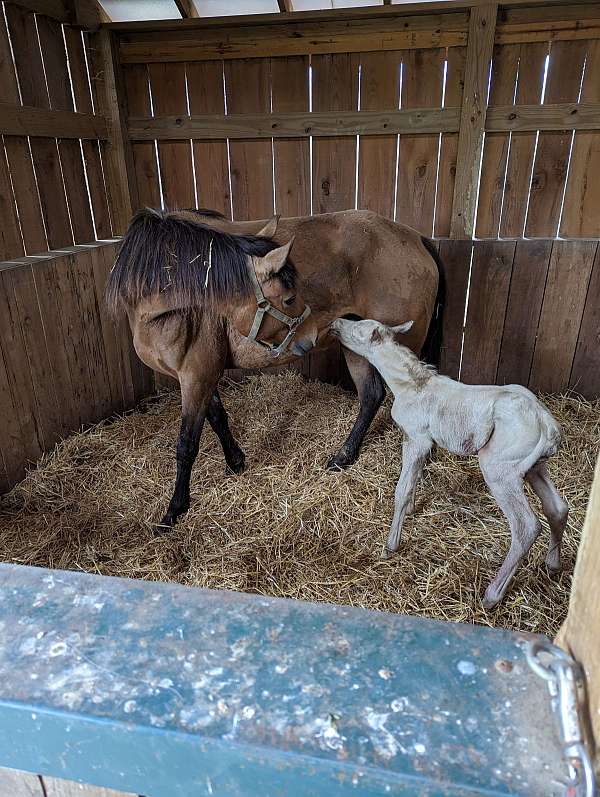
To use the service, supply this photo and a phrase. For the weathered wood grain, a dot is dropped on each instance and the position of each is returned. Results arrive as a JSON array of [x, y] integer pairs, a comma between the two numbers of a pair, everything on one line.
[[422, 78], [20, 784], [530, 267], [379, 90], [482, 25], [562, 309], [16, 120], [206, 96], [248, 89], [11, 243], [168, 87], [137, 94], [9, 90], [456, 261], [56, 787], [52, 192], [488, 296], [28, 59], [585, 372]]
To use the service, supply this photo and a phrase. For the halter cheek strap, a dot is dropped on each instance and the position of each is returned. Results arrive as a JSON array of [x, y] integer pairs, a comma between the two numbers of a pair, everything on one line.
[[264, 307]]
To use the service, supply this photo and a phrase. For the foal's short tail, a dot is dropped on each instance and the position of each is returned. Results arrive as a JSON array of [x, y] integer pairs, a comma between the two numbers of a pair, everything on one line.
[[432, 348]]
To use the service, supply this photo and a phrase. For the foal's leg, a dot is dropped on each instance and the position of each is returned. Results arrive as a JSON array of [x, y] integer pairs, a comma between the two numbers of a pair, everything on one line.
[[414, 453], [195, 399], [217, 417], [371, 392], [507, 489], [554, 507]]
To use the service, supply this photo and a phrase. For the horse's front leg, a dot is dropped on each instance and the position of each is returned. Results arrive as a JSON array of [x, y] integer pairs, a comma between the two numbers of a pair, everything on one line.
[[195, 399], [371, 392], [217, 417]]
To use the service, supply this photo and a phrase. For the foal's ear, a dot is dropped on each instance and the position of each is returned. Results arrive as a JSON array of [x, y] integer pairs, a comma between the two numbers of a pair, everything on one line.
[[401, 329], [273, 261], [270, 228]]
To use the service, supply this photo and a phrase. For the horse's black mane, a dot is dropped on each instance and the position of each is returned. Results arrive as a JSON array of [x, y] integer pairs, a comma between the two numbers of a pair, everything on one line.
[[163, 251]]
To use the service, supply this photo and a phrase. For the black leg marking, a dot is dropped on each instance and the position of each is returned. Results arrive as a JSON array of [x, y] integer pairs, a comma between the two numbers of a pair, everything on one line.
[[217, 417], [371, 392]]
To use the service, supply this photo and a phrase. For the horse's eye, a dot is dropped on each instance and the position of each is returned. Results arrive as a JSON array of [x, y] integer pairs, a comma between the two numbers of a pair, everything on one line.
[[290, 301]]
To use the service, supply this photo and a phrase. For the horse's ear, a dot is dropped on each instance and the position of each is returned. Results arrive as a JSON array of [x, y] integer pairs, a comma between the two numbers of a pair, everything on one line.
[[401, 329], [273, 261], [270, 228]]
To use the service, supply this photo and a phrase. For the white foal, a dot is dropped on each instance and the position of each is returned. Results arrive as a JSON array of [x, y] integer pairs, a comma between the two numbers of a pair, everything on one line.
[[511, 432]]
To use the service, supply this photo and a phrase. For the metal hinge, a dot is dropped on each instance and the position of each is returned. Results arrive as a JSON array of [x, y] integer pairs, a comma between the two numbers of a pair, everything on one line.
[[564, 677]]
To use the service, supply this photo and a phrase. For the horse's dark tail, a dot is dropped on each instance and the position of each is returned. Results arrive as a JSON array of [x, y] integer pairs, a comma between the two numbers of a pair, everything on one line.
[[432, 348]]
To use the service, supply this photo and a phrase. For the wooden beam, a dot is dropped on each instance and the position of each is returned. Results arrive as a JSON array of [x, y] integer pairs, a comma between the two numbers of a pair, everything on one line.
[[187, 9], [482, 27], [285, 6], [18, 120], [559, 116], [61, 10], [579, 633], [283, 38], [292, 125], [89, 14], [117, 156]]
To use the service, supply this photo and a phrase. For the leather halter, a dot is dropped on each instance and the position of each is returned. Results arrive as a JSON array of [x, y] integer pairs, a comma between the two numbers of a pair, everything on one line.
[[264, 307]]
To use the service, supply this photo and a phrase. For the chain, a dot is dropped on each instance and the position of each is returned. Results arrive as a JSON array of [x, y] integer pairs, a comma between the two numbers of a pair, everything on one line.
[[565, 681]]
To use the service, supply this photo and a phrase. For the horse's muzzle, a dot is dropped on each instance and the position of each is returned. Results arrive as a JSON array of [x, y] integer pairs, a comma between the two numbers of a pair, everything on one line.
[[301, 347]]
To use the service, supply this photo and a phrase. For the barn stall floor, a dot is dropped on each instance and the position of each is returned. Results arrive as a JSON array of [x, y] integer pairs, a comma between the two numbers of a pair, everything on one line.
[[286, 527]]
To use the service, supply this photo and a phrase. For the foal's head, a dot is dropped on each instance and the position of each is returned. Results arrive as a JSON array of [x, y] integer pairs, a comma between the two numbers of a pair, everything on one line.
[[369, 338]]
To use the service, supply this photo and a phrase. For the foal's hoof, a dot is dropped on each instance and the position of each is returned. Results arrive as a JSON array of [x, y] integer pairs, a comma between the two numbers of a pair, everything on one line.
[[489, 603], [341, 461], [236, 465], [386, 553]]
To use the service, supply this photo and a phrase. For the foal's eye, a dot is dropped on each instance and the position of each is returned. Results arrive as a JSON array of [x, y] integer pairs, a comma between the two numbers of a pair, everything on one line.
[[290, 301]]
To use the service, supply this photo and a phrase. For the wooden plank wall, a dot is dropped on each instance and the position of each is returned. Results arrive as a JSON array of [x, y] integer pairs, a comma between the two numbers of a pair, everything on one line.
[[52, 191], [63, 363]]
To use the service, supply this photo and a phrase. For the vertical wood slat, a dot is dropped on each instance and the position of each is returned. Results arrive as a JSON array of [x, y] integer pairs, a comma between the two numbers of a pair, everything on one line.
[[562, 310], [530, 267], [206, 95], [110, 101], [418, 155], [552, 154], [585, 373], [379, 90], [488, 296], [455, 78], [168, 87], [456, 262], [532, 58], [9, 90], [482, 26], [11, 244], [505, 67], [135, 82], [248, 88], [289, 92], [582, 198], [26, 194], [28, 59]]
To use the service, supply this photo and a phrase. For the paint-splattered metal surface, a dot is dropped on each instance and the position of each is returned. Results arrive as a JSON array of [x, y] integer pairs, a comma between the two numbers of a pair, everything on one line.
[[170, 691]]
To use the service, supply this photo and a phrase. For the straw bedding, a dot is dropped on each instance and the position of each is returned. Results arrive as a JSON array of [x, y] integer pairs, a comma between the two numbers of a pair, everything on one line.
[[286, 527]]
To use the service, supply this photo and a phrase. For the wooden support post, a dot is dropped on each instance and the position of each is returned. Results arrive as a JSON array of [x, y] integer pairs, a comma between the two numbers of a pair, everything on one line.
[[117, 155], [187, 9], [580, 633], [285, 6], [482, 26]]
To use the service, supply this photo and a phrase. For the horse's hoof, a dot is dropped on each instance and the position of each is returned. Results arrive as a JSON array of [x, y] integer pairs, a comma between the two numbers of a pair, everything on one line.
[[338, 462], [165, 525], [236, 466]]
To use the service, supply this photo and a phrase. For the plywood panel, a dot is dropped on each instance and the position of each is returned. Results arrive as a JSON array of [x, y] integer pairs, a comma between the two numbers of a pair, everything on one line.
[[505, 67], [581, 216], [135, 80], [532, 59], [456, 260], [488, 296], [206, 96], [530, 267], [422, 77], [248, 88], [334, 88], [379, 90], [551, 160], [562, 310], [290, 78], [455, 77], [585, 373]]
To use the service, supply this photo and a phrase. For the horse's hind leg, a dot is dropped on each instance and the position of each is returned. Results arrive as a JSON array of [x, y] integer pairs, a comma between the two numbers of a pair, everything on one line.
[[554, 507], [217, 417], [371, 392]]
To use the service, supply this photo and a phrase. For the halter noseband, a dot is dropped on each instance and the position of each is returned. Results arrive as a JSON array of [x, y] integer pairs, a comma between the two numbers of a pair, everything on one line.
[[264, 307]]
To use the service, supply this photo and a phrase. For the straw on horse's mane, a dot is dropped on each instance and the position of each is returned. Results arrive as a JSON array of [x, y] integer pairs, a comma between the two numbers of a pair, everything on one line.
[[195, 265]]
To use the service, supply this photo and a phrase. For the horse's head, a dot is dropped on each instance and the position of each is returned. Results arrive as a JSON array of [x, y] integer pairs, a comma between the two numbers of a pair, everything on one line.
[[275, 315]]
